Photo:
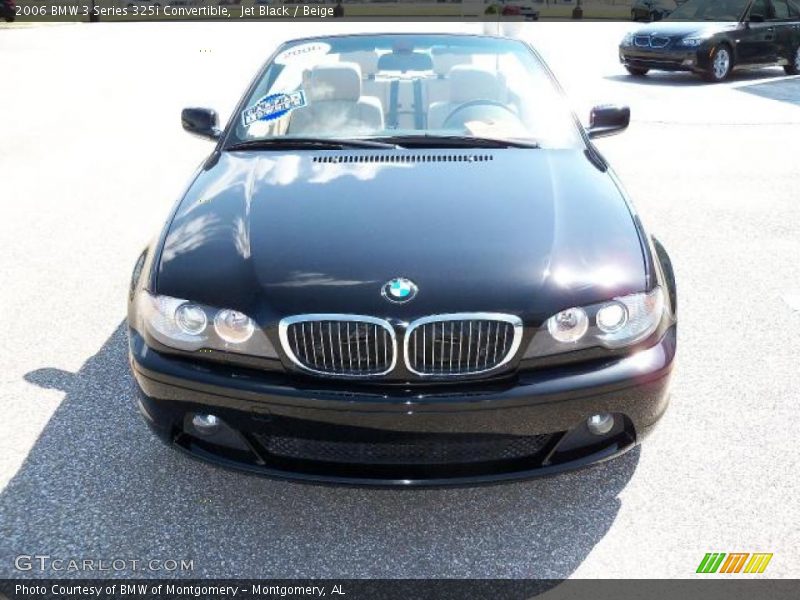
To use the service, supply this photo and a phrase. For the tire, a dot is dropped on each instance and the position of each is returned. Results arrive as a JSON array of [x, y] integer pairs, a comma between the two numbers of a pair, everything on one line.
[[794, 67], [721, 64], [636, 71]]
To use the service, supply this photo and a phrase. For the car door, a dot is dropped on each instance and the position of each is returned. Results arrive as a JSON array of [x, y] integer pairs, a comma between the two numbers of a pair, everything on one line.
[[787, 21], [757, 42]]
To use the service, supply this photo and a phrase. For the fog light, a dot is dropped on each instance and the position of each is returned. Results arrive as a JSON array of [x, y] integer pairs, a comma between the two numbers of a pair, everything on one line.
[[206, 424], [600, 424]]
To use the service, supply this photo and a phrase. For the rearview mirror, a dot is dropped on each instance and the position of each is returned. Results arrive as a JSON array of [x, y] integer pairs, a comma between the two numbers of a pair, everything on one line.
[[202, 122], [756, 18], [608, 120]]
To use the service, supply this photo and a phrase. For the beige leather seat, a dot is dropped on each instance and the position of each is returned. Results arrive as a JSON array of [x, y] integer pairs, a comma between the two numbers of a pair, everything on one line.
[[437, 89], [467, 83], [335, 104]]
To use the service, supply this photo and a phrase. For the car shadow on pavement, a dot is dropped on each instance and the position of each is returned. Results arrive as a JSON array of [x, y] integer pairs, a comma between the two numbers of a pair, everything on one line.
[[782, 90], [97, 484], [685, 79]]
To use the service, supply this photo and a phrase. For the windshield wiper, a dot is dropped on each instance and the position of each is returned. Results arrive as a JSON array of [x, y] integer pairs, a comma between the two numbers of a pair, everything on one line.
[[457, 141], [306, 143]]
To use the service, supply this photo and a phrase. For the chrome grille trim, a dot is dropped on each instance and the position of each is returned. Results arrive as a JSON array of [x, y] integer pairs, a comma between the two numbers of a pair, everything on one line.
[[651, 41], [470, 326], [325, 332]]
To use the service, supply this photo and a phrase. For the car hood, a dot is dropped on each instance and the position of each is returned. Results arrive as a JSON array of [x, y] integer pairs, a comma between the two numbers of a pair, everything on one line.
[[522, 231], [679, 29]]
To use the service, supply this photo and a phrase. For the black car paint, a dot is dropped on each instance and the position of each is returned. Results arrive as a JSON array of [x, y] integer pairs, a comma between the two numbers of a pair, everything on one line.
[[277, 233], [752, 43]]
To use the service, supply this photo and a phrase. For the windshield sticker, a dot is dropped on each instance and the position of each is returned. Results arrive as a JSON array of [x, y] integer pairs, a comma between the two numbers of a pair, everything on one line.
[[302, 52], [273, 106]]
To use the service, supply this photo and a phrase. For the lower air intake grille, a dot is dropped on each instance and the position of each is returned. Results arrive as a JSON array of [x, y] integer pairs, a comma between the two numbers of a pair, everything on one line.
[[341, 345], [461, 344], [430, 450]]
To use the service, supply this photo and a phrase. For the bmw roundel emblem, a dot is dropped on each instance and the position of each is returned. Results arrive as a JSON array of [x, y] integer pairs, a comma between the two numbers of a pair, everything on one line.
[[399, 290]]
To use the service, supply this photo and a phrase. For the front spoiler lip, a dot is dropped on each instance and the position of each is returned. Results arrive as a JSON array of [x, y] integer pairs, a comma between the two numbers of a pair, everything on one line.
[[520, 410], [662, 60], [466, 481]]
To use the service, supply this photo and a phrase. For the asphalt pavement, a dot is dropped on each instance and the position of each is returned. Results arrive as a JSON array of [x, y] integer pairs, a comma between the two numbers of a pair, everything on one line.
[[92, 157]]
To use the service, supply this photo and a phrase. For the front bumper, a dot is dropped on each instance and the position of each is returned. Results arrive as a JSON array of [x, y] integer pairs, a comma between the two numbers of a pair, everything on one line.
[[531, 424], [691, 59]]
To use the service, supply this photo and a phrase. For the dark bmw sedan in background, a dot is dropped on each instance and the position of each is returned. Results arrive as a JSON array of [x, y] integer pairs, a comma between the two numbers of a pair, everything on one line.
[[714, 37], [404, 263]]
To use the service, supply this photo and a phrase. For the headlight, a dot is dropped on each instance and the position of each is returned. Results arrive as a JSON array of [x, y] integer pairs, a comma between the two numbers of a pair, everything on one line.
[[691, 42], [186, 325], [614, 324], [569, 325], [627, 40]]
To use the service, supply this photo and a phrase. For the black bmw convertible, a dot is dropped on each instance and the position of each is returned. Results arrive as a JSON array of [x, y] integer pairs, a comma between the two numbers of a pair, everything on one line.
[[404, 263]]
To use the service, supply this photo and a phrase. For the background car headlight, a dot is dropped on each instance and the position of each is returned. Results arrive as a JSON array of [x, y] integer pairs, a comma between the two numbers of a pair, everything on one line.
[[186, 325], [691, 42], [617, 323]]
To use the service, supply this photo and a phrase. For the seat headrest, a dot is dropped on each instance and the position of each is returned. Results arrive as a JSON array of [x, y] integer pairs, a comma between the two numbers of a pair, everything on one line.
[[470, 83], [341, 81], [367, 60], [443, 62]]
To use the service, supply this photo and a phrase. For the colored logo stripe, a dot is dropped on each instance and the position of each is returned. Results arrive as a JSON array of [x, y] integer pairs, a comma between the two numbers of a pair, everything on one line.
[[758, 562], [710, 562], [734, 562]]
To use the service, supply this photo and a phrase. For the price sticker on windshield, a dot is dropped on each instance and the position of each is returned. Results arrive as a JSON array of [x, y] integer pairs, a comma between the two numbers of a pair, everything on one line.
[[273, 106]]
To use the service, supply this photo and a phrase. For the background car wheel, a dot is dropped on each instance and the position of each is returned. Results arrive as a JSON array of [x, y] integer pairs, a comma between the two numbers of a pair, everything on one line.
[[794, 67], [720, 65], [637, 71]]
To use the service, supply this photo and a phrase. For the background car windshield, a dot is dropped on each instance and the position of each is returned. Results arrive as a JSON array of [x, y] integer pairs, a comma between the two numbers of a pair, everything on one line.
[[401, 85], [709, 10]]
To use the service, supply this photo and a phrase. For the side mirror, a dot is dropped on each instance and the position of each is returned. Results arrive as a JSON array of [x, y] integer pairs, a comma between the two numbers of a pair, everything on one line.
[[608, 120], [756, 18], [202, 122]]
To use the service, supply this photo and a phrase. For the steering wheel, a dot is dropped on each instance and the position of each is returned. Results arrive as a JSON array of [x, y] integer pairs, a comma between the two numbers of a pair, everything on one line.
[[472, 104]]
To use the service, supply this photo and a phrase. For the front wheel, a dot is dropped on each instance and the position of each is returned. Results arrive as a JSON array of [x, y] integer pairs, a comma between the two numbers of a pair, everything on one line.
[[793, 68], [636, 71], [721, 64]]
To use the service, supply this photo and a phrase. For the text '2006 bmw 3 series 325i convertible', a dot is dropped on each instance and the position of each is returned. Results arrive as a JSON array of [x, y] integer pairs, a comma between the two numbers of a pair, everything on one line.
[[404, 263]]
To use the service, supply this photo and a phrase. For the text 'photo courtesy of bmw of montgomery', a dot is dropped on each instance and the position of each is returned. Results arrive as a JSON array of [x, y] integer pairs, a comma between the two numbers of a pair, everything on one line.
[[404, 263]]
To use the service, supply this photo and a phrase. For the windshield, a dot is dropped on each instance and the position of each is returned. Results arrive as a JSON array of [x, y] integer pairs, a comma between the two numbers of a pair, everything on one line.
[[420, 86], [709, 10]]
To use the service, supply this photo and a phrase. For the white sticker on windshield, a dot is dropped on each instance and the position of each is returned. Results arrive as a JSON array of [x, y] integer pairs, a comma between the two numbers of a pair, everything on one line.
[[273, 106], [302, 52]]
